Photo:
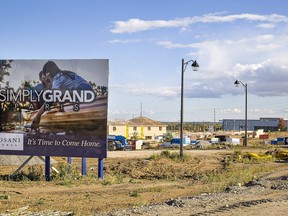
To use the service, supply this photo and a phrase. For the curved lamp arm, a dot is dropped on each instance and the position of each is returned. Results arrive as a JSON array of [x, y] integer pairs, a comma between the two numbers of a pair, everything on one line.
[[194, 65]]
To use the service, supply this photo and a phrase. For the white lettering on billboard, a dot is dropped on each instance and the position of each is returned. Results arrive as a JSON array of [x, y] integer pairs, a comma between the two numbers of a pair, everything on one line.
[[11, 141]]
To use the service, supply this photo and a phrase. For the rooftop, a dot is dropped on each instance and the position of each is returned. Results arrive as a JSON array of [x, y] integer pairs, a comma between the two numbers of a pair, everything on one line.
[[139, 121]]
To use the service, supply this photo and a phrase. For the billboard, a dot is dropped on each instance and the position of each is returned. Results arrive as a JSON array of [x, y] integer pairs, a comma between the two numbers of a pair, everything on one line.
[[54, 107]]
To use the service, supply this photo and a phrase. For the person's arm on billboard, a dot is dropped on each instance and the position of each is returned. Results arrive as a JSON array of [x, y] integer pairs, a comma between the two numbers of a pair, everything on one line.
[[37, 117]]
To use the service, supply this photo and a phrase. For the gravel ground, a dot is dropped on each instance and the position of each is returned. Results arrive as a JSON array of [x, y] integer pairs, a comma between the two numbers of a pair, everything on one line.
[[266, 196]]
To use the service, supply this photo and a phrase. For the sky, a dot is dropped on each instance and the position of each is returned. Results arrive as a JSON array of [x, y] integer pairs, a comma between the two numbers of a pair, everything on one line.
[[145, 42]]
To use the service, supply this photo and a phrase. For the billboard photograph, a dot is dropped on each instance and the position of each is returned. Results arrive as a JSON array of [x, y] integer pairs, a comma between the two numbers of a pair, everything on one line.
[[54, 107]]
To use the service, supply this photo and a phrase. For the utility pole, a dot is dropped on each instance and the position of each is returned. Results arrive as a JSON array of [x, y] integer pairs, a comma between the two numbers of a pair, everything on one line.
[[214, 121]]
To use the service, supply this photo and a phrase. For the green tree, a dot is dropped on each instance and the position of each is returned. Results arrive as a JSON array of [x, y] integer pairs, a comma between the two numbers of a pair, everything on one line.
[[169, 136], [135, 136], [282, 124], [218, 126], [100, 90], [5, 65]]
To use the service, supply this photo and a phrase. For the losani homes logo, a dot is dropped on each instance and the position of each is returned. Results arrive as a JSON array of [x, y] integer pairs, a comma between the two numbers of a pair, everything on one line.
[[11, 141]]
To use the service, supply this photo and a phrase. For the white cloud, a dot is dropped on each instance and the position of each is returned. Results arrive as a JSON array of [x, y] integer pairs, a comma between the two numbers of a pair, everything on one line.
[[266, 25], [149, 112], [263, 111], [141, 89], [125, 41], [228, 111], [170, 45], [220, 64], [137, 25], [260, 61], [226, 53], [274, 18], [257, 59]]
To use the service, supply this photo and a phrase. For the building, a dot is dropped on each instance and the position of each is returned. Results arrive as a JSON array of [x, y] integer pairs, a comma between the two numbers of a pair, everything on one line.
[[140, 127], [267, 124]]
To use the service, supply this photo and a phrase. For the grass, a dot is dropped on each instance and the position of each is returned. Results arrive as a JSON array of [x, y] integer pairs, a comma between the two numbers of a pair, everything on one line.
[[171, 155], [118, 178], [4, 197], [137, 192], [166, 166]]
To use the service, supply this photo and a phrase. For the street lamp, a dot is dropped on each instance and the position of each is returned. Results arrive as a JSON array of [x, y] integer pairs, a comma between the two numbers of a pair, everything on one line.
[[237, 82], [195, 67]]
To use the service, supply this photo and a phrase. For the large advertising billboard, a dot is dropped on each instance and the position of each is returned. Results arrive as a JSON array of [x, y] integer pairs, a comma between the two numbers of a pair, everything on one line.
[[54, 107]]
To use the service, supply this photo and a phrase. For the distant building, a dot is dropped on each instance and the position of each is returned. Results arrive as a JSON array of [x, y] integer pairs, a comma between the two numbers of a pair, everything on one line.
[[267, 124], [142, 127]]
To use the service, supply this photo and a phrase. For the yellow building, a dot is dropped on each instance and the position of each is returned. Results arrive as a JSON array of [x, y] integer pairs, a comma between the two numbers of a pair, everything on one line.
[[140, 127]]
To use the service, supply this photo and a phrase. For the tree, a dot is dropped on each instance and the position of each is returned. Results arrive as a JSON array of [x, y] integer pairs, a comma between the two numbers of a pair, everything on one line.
[[169, 136], [5, 65], [135, 136], [100, 90], [218, 126], [282, 124]]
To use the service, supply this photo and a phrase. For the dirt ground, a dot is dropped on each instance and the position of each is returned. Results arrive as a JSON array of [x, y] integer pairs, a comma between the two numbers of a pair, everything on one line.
[[266, 196], [122, 195]]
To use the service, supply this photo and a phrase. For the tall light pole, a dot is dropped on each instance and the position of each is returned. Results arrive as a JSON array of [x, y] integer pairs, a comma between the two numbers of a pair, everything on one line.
[[195, 67], [237, 82]]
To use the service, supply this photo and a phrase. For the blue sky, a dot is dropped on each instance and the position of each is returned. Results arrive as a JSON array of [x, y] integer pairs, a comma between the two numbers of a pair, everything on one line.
[[145, 41]]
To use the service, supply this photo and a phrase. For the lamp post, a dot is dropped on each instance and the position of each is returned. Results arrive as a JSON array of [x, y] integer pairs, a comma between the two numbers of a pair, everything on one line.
[[195, 67], [237, 82]]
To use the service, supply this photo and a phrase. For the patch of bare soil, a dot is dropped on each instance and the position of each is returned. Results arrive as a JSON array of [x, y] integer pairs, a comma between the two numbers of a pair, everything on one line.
[[265, 196], [151, 186]]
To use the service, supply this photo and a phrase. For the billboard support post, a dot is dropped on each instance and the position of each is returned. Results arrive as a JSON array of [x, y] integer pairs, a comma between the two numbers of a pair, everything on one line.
[[47, 168], [69, 161], [100, 168], [84, 166]]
